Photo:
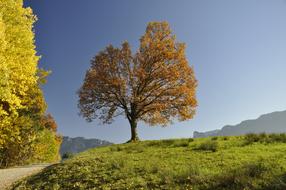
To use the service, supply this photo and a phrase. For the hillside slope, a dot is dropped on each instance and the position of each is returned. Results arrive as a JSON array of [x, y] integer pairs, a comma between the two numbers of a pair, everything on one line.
[[224, 163], [270, 123]]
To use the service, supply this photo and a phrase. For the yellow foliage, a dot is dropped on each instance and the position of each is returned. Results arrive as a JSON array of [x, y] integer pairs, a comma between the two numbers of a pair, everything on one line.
[[18, 61], [22, 104]]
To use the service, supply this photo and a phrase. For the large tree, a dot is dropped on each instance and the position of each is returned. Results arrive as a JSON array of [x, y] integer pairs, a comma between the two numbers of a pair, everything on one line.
[[22, 103], [154, 85], [18, 71]]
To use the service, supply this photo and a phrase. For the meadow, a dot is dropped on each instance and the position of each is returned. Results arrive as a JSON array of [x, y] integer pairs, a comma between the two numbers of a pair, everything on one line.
[[251, 162]]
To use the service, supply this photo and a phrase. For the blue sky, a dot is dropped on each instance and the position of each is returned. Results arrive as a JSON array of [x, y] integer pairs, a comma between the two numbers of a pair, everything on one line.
[[237, 49]]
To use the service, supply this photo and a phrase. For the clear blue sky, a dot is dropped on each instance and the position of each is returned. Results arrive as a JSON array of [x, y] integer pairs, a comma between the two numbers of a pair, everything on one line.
[[237, 48]]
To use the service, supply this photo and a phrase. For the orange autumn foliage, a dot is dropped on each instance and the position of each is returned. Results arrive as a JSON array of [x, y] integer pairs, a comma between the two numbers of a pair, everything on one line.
[[154, 85], [48, 122]]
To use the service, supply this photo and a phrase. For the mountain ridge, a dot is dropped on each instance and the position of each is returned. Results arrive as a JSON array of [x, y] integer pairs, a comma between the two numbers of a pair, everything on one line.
[[274, 122], [80, 144]]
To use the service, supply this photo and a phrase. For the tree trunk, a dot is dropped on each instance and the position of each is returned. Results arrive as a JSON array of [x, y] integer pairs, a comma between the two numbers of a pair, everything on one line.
[[134, 136]]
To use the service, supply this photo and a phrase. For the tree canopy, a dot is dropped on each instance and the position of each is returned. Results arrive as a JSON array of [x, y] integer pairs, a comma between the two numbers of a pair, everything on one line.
[[154, 85], [22, 103]]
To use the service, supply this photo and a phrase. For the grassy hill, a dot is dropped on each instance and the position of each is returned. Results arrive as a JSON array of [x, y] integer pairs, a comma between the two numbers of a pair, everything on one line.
[[252, 162]]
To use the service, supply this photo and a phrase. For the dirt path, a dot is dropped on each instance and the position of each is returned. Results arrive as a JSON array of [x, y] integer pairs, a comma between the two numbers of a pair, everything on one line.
[[10, 175]]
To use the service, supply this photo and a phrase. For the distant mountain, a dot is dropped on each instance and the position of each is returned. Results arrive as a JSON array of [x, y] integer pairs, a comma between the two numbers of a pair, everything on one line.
[[269, 123], [79, 144]]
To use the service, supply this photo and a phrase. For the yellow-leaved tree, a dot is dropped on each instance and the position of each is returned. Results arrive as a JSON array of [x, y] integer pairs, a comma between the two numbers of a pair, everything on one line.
[[18, 61], [22, 104], [154, 85]]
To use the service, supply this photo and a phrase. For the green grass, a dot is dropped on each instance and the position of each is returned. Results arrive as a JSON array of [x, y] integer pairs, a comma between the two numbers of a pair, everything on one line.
[[236, 163]]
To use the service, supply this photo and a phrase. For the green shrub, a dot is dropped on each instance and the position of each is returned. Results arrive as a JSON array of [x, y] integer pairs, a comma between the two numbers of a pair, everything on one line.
[[264, 138], [17, 149], [225, 138], [278, 137], [254, 169], [214, 138], [167, 142], [251, 138], [116, 148], [162, 143], [37, 146], [153, 143], [67, 155], [181, 143], [170, 143], [277, 183], [208, 146], [47, 146], [239, 178]]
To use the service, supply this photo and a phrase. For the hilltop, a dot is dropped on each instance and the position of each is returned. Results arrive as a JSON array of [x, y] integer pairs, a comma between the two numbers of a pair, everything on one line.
[[255, 162], [269, 123]]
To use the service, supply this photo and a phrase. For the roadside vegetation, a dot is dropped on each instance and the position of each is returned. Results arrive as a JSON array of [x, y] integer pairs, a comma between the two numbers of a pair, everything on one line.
[[27, 133], [245, 162]]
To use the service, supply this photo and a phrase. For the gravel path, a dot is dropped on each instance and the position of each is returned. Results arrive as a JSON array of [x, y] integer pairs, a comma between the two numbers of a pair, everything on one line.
[[10, 175]]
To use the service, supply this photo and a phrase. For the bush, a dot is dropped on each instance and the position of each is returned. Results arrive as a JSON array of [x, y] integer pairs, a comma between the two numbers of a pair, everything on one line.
[[239, 178], [251, 138], [47, 146], [214, 138], [208, 146], [181, 143], [254, 169], [278, 137], [278, 183], [116, 148], [67, 155], [167, 142], [264, 138], [170, 143], [162, 143], [33, 144], [225, 138]]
